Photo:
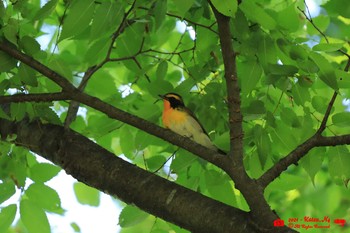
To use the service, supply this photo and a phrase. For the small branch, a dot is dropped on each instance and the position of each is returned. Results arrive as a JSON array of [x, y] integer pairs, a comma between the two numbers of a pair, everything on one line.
[[326, 115], [74, 106], [308, 18], [292, 158], [194, 23], [316, 140], [300, 152]]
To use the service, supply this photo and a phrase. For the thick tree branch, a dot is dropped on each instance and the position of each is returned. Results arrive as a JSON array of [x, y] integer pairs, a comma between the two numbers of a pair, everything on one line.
[[95, 166], [251, 190], [115, 113], [45, 97]]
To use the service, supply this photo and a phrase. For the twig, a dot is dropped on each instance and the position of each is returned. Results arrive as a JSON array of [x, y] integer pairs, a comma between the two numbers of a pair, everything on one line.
[[308, 17], [171, 156]]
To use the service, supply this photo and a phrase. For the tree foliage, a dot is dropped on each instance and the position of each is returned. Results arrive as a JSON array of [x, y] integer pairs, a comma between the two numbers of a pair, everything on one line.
[[267, 79]]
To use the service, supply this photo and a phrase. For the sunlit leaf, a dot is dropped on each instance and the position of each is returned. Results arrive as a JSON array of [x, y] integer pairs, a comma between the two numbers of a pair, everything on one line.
[[338, 164], [131, 216], [79, 17], [6, 62], [34, 217], [6, 191], [326, 72], [7, 216], [227, 8], [44, 196], [341, 119], [86, 195], [46, 10], [250, 73], [257, 14], [43, 172]]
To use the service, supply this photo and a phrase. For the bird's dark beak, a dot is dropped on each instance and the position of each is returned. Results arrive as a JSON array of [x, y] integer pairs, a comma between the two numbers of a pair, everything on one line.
[[161, 96]]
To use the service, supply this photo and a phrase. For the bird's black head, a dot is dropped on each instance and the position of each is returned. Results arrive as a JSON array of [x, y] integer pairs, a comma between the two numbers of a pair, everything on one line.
[[174, 99]]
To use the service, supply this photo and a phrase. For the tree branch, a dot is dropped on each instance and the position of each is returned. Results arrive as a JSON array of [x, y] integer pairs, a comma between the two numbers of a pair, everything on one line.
[[115, 113], [252, 191], [74, 106], [45, 97], [95, 166], [54, 76], [316, 140]]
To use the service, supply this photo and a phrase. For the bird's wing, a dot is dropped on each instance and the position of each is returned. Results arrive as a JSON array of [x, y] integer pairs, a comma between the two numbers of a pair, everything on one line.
[[199, 123]]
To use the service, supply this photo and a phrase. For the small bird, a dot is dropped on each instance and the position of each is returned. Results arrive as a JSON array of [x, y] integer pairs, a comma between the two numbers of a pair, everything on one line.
[[179, 119]]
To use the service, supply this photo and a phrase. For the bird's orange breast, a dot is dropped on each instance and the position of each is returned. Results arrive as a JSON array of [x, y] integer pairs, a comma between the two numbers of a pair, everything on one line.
[[173, 117]]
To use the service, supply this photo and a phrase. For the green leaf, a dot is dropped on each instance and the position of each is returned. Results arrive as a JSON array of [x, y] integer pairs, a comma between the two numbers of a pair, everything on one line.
[[155, 162], [289, 18], [7, 216], [282, 70], [263, 143], [319, 103], [343, 78], [286, 182], [10, 31], [42, 172], [34, 217], [86, 195], [183, 6], [131, 216], [257, 14], [97, 51], [339, 7], [256, 107], [44, 196], [27, 75], [75, 227], [126, 137], [300, 94], [339, 160], [60, 66], [46, 114], [219, 187], [328, 47], [29, 45], [46, 10], [18, 111], [312, 162], [6, 191], [108, 15], [7, 63], [160, 9], [78, 18], [289, 117], [326, 71], [321, 22], [250, 73], [228, 8], [162, 70], [341, 119]]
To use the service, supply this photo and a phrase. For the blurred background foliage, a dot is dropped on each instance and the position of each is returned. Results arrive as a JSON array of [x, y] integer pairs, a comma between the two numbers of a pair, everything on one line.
[[292, 56]]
